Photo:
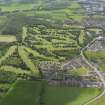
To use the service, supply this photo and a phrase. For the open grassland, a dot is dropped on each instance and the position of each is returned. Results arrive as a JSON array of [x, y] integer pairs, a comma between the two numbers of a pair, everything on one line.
[[69, 95], [23, 93], [7, 38]]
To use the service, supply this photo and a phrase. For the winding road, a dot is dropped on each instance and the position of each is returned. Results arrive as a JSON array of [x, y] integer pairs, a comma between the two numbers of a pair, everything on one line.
[[95, 70]]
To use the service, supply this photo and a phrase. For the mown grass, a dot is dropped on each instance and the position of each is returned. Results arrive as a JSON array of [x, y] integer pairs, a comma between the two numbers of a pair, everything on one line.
[[7, 38]]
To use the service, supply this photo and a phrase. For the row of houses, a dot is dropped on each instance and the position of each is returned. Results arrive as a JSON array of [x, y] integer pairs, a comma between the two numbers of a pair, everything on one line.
[[59, 77]]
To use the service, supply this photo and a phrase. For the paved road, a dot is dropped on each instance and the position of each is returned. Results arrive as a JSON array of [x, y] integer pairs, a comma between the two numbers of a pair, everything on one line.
[[95, 70], [100, 76]]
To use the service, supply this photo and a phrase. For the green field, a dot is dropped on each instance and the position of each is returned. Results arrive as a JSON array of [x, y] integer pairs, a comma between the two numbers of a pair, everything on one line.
[[23, 93], [69, 95]]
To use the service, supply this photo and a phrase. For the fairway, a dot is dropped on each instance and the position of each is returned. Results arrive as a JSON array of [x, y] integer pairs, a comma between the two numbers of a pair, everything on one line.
[[69, 95], [7, 38], [23, 93]]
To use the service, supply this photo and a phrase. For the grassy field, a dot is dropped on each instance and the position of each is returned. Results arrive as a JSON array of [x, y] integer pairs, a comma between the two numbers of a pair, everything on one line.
[[95, 55], [16, 6], [7, 38], [69, 95], [99, 102], [23, 93], [79, 71]]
